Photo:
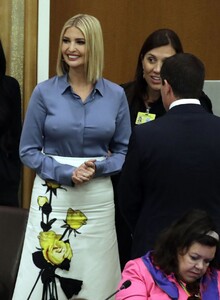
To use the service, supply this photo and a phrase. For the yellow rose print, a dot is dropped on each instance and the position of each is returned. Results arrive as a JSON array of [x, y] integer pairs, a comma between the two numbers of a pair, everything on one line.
[[52, 186], [55, 253], [54, 250], [75, 218], [41, 200]]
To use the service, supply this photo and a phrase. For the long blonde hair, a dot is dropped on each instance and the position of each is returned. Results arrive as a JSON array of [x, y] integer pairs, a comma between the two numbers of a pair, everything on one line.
[[91, 29]]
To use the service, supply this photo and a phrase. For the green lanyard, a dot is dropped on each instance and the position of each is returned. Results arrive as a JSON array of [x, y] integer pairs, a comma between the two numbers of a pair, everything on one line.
[[184, 288]]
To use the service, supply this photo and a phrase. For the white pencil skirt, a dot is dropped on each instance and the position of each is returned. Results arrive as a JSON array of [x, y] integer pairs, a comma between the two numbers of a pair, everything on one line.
[[70, 249]]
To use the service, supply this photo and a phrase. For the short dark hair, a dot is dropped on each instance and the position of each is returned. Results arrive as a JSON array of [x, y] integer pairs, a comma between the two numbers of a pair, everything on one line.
[[191, 227], [185, 73]]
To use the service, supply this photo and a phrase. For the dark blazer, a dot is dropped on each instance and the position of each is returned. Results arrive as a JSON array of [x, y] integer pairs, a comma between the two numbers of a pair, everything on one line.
[[172, 165], [10, 130], [136, 103]]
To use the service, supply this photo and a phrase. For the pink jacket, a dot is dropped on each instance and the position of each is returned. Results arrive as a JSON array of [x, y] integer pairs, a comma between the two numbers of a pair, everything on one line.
[[143, 286]]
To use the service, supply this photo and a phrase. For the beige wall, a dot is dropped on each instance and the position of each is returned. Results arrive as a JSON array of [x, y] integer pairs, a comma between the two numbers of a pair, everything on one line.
[[5, 9], [5, 25], [12, 36]]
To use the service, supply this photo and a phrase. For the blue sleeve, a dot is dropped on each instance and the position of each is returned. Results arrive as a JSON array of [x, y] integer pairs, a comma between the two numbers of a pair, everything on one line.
[[32, 140], [58, 123]]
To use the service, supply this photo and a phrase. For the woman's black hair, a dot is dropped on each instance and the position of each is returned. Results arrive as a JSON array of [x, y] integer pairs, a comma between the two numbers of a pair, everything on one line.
[[158, 38], [195, 226]]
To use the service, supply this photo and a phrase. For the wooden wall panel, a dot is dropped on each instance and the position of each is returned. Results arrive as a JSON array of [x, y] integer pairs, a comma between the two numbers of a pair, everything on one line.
[[5, 25], [30, 80], [126, 23]]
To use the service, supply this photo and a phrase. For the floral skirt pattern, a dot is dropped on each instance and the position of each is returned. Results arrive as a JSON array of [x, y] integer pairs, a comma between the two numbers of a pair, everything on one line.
[[70, 249]]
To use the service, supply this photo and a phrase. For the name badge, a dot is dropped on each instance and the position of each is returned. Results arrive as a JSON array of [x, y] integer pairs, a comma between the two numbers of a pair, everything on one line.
[[143, 117]]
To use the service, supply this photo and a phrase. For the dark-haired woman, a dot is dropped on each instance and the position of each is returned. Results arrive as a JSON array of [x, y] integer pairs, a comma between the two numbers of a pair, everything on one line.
[[184, 264], [143, 93]]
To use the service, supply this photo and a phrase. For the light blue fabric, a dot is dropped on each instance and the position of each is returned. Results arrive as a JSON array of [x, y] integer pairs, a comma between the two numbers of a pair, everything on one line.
[[57, 122], [209, 281]]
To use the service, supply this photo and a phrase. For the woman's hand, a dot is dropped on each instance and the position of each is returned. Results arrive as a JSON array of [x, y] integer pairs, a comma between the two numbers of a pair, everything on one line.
[[84, 172]]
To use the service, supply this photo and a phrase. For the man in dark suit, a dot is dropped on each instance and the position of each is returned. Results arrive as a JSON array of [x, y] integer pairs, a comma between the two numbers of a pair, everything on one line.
[[173, 162]]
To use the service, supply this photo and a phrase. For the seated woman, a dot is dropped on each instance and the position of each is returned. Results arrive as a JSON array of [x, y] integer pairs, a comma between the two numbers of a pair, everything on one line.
[[183, 266]]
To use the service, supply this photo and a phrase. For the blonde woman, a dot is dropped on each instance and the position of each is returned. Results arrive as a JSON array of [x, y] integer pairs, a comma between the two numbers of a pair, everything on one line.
[[72, 122]]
